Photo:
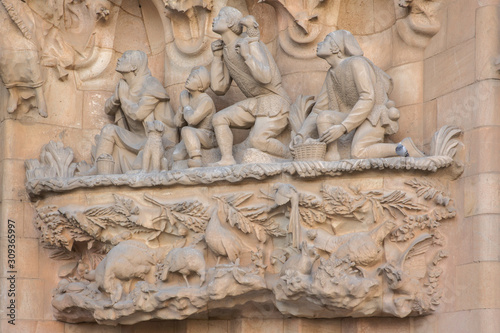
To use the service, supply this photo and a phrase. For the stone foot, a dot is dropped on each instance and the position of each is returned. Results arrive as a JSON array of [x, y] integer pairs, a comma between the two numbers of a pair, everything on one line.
[[332, 156], [194, 163], [225, 161], [412, 150]]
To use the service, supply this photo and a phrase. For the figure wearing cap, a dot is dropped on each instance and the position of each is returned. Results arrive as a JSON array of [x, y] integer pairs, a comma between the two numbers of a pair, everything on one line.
[[196, 112], [354, 97]]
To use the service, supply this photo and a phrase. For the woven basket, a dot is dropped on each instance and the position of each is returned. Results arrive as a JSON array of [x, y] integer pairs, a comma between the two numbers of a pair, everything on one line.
[[311, 151]]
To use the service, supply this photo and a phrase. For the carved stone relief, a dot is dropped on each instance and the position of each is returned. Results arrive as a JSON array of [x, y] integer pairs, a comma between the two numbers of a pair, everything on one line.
[[20, 69], [316, 212], [329, 251], [420, 22], [303, 24]]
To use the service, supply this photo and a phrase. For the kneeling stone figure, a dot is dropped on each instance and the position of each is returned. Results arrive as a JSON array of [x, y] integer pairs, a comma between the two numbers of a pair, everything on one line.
[[354, 97]]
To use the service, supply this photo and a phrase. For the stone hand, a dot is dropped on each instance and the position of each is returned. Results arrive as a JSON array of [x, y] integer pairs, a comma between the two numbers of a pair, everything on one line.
[[297, 140], [184, 98], [332, 134], [115, 99], [242, 48], [179, 118], [217, 46], [122, 89]]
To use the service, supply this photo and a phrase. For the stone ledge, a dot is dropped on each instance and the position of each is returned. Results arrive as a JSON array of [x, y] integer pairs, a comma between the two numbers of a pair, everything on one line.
[[240, 172]]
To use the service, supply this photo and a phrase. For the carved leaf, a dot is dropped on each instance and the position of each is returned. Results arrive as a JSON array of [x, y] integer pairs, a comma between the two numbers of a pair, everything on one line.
[[398, 201], [59, 253], [299, 111], [337, 201], [125, 205], [311, 209], [104, 216], [429, 191], [250, 219], [57, 230], [443, 143], [118, 213], [55, 161], [193, 214]]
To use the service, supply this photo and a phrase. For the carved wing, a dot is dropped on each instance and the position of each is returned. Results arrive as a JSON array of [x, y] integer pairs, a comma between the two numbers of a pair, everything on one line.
[[413, 259]]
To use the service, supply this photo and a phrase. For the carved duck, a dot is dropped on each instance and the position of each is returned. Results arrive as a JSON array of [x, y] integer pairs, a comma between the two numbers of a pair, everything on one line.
[[220, 240]]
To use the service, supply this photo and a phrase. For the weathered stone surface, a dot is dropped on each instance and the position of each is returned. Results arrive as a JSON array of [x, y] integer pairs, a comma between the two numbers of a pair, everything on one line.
[[437, 70], [487, 47], [482, 195], [483, 231], [408, 87], [444, 60], [460, 22]]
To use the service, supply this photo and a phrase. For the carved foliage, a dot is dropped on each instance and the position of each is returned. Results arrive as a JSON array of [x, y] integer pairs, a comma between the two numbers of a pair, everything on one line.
[[395, 256], [192, 214], [250, 219], [55, 161]]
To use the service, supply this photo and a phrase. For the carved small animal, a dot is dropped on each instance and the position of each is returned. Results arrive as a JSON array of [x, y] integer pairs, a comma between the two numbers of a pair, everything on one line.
[[153, 150], [185, 261], [221, 241], [364, 248], [301, 262], [252, 26], [126, 261]]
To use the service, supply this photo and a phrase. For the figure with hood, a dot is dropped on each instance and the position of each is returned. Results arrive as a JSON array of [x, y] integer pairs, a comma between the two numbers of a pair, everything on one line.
[[139, 99], [194, 118], [354, 97]]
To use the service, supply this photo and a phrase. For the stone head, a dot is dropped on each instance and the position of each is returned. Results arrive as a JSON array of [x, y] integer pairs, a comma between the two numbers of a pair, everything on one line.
[[340, 42], [199, 79], [132, 61], [228, 19]]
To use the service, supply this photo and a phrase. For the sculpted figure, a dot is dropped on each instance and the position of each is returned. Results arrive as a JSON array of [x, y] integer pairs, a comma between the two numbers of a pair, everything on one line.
[[126, 261], [184, 260], [197, 110], [153, 151], [20, 68], [242, 57], [353, 98], [139, 99]]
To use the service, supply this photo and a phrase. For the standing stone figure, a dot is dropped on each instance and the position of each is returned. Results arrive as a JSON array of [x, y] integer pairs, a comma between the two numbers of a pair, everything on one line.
[[242, 57], [20, 68], [197, 109], [139, 98], [353, 98]]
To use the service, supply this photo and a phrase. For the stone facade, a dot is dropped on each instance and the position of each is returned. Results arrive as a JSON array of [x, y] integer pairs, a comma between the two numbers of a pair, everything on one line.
[[443, 60]]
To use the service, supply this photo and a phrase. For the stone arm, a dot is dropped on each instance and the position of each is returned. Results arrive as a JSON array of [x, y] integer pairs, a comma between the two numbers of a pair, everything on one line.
[[257, 61], [112, 104], [195, 116], [139, 111], [219, 76], [179, 120], [363, 75]]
